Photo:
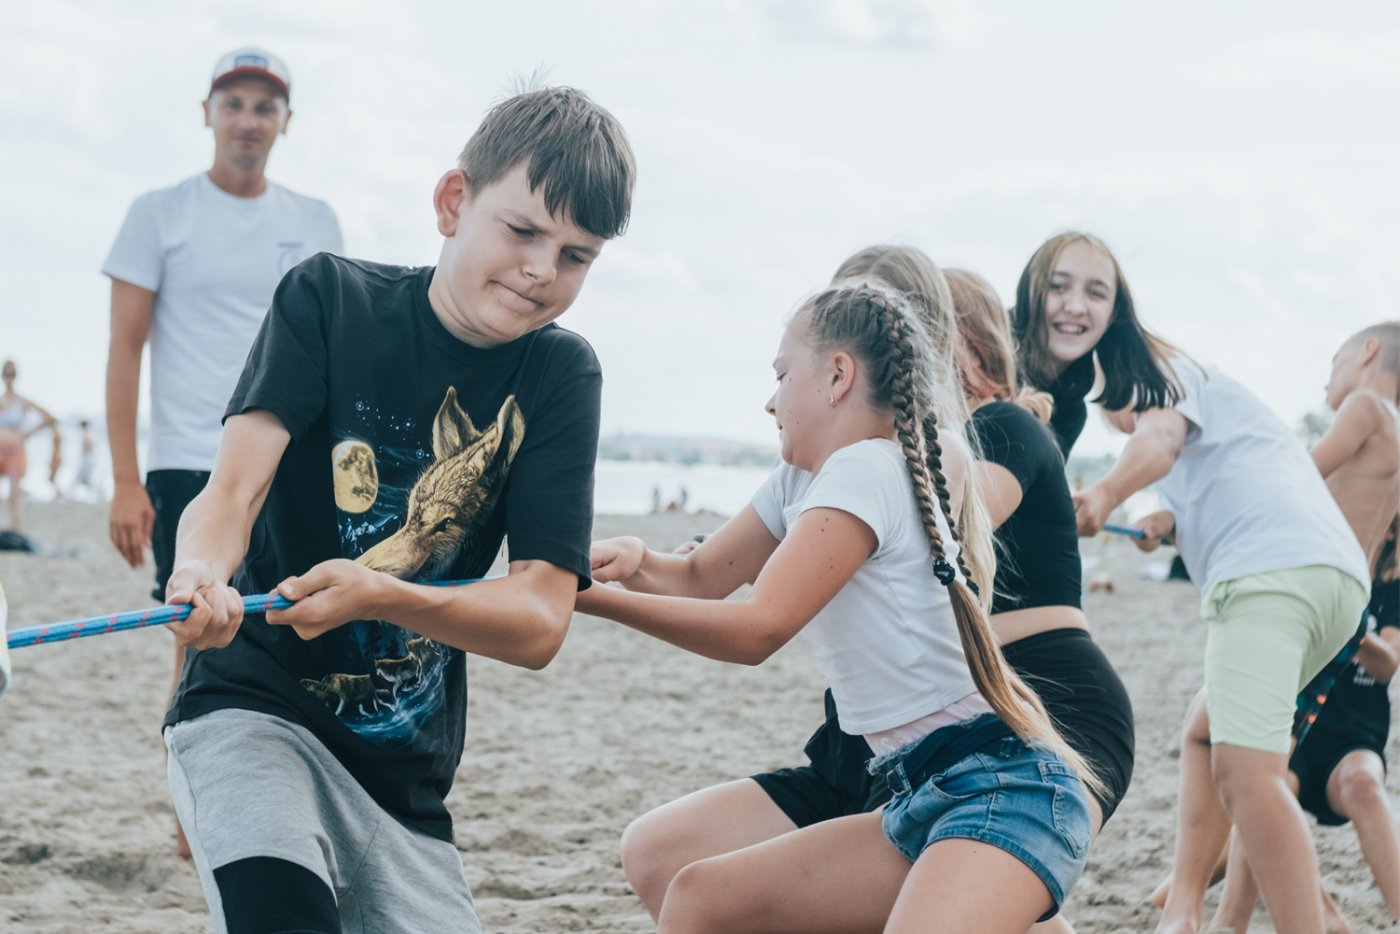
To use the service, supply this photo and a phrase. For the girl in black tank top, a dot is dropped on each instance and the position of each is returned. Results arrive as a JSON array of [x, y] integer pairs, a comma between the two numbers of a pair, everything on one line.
[[1036, 607]]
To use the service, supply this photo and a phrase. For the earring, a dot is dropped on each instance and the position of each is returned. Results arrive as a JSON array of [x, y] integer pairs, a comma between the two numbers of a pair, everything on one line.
[[831, 400]]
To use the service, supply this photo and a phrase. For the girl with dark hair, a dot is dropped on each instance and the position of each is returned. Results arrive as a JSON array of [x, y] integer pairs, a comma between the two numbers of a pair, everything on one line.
[[1073, 307], [1036, 612]]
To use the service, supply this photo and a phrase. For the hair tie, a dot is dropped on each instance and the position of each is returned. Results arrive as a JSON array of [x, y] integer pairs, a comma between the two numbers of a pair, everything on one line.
[[946, 575]]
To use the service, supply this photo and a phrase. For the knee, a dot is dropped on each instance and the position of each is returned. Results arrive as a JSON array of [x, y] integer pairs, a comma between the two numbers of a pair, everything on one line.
[[695, 901], [643, 851], [1242, 778], [1224, 773], [1359, 787]]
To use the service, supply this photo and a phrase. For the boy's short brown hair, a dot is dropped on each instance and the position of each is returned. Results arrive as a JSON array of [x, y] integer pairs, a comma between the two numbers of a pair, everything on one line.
[[571, 146]]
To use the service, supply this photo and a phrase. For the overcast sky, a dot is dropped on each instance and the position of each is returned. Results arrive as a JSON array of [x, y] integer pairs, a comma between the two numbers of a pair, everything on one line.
[[1240, 158]]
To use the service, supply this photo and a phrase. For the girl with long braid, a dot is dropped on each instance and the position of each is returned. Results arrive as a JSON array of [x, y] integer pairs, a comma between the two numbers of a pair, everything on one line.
[[850, 541], [833, 782]]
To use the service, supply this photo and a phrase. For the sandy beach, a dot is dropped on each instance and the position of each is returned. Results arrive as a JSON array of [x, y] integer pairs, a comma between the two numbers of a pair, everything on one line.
[[557, 761]]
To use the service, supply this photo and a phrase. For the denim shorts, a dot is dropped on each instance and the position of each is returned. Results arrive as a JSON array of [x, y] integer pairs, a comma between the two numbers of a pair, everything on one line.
[[1019, 798]]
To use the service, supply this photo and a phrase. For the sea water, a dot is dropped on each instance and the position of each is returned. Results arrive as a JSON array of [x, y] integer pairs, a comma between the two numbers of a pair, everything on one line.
[[631, 487]]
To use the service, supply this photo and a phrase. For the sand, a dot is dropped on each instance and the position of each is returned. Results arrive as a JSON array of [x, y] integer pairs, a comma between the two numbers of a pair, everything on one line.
[[557, 761]]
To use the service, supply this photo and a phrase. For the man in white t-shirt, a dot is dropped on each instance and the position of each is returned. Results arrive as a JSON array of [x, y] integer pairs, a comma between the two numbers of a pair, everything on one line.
[[193, 270]]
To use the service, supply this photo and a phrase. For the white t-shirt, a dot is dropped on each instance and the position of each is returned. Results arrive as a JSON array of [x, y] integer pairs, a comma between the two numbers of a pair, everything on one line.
[[887, 642], [213, 260], [1246, 495]]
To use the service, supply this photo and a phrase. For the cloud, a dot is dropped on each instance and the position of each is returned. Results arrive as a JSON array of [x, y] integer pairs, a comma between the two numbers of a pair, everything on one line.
[[773, 138], [1316, 58], [908, 25], [629, 268]]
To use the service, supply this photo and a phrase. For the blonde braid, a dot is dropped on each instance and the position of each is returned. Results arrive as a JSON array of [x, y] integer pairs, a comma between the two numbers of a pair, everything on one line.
[[1017, 705], [911, 441], [940, 483]]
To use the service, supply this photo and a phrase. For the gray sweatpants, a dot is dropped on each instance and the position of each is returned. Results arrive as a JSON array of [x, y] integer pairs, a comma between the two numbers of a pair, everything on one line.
[[247, 784]]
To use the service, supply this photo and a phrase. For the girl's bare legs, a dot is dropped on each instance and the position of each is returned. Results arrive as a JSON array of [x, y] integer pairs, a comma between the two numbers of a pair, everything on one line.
[[1356, 789], [1158, 898], [1221, 783], [965, 885], [840, 875], [1254, 787], [719, 820], [1202, 827], [709, 822], [1240, 894], [843, 876], [1332, 920]]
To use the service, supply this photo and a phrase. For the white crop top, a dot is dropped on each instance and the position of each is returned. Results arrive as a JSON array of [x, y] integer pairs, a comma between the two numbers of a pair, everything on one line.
[[888, 642]]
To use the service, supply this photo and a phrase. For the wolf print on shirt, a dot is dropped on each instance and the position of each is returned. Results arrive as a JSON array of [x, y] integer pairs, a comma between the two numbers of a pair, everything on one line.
[[398, 684]]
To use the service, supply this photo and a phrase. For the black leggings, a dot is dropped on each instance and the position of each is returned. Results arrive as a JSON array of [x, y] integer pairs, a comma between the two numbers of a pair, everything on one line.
[[1086, 699], [265, 895]]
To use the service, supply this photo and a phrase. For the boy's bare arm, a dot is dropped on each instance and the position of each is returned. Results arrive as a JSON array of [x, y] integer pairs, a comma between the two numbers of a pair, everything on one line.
[[1358, 418], [520, 619], [1379, 654], [215, 528], [1155, 445]]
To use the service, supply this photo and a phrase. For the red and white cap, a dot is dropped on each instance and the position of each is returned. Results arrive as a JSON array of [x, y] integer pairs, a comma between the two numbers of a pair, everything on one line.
[[255, 63]]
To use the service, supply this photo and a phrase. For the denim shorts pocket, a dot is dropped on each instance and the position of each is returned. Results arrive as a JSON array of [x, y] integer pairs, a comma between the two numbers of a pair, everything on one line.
[[1069, 806], [960, 782]]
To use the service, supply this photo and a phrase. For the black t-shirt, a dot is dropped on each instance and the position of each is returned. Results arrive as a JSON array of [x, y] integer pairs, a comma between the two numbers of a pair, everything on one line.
[[1038, 545], [1071, 412], [415, 454], [1358, 707]]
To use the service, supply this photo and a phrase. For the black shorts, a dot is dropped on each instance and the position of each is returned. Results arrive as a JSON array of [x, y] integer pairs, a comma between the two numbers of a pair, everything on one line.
[[170, 492], [834, 784], [1081, 691], [1086, 699], [1313, 762]]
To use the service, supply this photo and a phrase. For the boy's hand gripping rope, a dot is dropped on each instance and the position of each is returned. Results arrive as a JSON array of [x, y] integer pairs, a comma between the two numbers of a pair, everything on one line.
[[152, 616]]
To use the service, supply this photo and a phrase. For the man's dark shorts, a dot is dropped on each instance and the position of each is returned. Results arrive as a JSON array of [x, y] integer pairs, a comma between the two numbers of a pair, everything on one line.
[[170, 492]]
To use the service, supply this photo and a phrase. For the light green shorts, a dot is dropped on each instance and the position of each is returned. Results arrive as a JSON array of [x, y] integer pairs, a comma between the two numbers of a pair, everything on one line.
[[1267, 635]]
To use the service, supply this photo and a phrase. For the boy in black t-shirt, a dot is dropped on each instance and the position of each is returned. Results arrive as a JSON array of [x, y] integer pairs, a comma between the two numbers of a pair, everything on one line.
[[391, 427]]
